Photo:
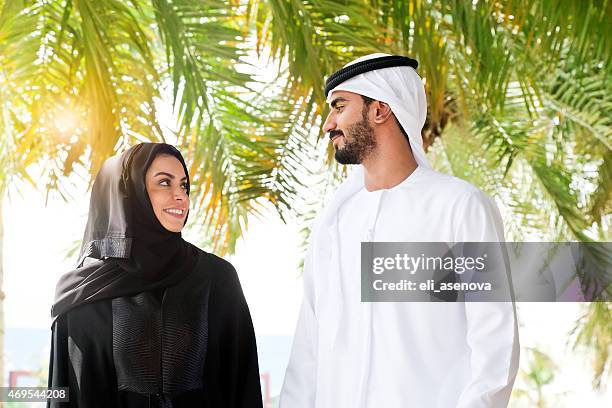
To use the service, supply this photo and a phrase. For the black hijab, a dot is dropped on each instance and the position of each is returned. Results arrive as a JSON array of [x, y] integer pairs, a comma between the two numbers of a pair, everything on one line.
[[135, 252]]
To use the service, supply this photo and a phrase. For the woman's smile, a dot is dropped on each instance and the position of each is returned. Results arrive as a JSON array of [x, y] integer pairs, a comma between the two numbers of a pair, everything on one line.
[[176, 212]]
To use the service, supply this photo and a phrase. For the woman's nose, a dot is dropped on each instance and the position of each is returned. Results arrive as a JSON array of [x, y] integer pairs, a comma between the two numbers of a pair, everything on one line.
[[180, 194]]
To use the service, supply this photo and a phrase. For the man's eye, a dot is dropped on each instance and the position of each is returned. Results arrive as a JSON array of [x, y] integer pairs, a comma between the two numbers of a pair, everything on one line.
[[339, 108]]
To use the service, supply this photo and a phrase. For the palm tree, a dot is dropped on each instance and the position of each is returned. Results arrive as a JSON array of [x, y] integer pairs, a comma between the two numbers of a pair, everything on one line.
[[84, 80]]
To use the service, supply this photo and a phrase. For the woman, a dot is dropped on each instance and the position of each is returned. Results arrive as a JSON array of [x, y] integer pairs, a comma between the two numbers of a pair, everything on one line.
[[147, 319]]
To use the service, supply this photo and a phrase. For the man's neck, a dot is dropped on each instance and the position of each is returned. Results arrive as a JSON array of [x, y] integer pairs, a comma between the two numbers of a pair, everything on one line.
[[388, 166]]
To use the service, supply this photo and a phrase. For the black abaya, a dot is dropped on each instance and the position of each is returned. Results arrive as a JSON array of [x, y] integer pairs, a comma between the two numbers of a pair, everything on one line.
[[188, 345]]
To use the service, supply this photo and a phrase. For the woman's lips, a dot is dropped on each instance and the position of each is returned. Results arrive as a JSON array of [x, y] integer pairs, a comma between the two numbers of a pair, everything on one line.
[[176, 215]]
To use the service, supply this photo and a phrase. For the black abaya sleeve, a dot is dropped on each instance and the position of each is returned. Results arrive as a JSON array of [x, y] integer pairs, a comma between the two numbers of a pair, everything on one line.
[[58, 361], [231, 370], [81, 357]]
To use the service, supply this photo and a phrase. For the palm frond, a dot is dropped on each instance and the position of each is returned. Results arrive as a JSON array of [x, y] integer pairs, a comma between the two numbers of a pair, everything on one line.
[[84, 78]]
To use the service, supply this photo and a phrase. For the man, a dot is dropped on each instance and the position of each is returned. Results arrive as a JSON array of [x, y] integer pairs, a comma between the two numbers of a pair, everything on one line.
[[349, 354]]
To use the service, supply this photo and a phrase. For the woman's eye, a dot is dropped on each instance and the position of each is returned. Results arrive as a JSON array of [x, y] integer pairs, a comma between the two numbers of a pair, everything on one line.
[[166, 183]]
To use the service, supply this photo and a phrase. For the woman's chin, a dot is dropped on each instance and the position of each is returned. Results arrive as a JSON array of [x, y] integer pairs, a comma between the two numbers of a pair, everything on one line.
[[176, 226]]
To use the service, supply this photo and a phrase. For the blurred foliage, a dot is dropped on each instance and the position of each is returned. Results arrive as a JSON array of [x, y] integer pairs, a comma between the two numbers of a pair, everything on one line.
[[536, 376], [594, 332]]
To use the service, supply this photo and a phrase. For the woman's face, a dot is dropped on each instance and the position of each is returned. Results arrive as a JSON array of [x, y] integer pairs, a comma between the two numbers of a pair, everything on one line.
[[166, 184]]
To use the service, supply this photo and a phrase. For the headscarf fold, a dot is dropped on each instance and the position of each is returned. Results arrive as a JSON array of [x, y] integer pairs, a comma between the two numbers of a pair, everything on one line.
[[401, 88], [133, 251]]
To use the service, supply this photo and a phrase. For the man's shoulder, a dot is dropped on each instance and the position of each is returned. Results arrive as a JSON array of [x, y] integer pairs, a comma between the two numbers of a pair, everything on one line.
[[446, 184]]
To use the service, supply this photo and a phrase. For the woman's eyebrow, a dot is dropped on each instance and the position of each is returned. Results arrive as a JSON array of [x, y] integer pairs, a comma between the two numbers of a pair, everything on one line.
[[163, 173]]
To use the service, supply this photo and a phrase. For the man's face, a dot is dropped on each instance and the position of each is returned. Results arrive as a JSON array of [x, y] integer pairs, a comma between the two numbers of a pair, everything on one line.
[[349, 128]]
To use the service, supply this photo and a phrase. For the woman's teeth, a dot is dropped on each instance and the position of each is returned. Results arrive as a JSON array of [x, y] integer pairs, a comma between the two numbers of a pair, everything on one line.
[[174, 211]]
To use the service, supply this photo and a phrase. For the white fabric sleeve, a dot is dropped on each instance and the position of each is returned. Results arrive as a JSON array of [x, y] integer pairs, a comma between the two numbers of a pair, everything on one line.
[[492, 329], [299, 386]]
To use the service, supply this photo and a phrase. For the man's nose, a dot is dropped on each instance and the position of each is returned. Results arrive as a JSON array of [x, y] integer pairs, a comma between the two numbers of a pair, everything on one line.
[[330, 123]]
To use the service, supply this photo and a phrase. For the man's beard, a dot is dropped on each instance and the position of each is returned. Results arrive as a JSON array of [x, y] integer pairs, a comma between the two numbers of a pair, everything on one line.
[[362, 142]]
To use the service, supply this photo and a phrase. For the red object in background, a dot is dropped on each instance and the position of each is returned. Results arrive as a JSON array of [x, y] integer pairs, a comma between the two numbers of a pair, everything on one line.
[[266, 379], [14, 375]]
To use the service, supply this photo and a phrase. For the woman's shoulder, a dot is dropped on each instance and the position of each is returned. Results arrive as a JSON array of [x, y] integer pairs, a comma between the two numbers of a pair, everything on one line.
[[215, 266]]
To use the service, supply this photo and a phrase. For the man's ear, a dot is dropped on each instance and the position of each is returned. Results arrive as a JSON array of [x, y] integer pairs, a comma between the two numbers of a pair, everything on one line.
[[383, 112]]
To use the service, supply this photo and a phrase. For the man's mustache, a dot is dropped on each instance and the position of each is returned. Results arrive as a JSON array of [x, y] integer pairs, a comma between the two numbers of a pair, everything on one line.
[[335, 133]]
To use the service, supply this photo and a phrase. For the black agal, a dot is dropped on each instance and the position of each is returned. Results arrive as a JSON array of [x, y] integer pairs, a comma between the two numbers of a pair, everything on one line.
[[361, 67]]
